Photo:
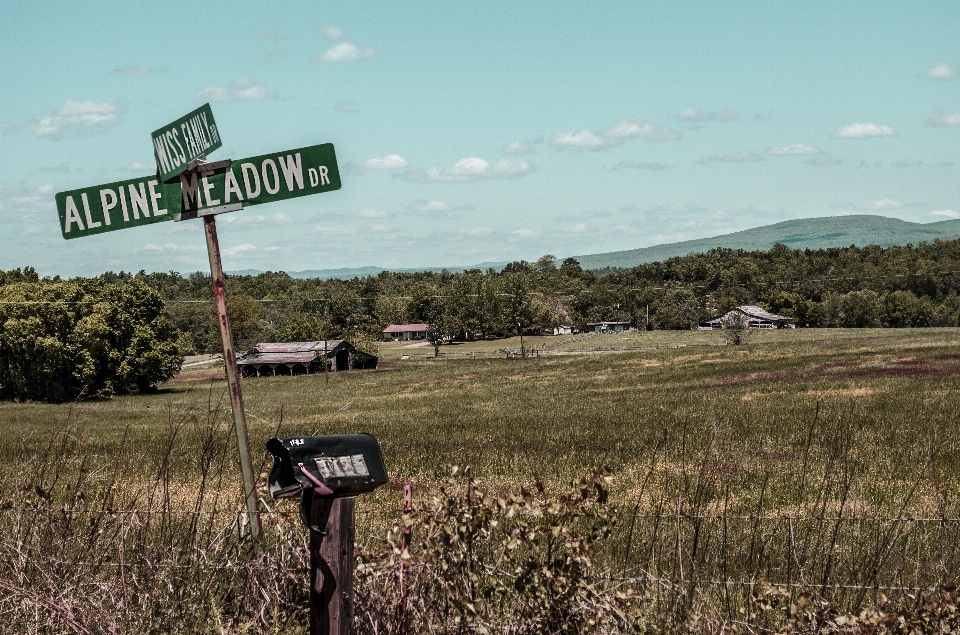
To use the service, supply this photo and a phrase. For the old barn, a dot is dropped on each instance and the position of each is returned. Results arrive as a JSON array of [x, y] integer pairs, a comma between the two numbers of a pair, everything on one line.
[[302, 358], [751, 317]]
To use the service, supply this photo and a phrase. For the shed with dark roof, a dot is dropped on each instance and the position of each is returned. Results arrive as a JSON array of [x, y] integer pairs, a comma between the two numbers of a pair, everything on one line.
[[302, 358]]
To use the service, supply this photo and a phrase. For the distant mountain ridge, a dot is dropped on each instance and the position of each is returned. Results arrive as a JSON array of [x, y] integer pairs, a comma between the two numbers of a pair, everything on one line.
[[345, 273], [805, 233]]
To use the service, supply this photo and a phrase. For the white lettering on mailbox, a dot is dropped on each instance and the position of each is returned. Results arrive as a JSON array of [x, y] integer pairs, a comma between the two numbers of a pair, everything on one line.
[[342, 466]]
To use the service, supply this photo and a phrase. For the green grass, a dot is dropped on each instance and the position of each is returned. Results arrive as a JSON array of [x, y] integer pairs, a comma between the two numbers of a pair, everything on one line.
[[561, 414], [730, 463]]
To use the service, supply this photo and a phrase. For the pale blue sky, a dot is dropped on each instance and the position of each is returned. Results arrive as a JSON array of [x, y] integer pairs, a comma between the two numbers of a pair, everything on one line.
[[481, 131]]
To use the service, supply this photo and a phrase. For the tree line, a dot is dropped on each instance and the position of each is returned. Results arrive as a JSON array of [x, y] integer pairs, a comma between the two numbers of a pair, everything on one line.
[[905, 286]]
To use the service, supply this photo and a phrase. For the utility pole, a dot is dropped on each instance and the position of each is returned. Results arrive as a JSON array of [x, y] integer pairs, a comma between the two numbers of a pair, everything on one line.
[[520, 331], [646, 326]]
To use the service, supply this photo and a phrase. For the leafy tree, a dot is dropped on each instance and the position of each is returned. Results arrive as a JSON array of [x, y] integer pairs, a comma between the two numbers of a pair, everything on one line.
[[246, 323], [62, 340], [302, 327]]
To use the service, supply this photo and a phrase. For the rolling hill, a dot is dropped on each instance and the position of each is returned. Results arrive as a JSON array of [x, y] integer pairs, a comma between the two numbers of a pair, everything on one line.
[[806, 233]]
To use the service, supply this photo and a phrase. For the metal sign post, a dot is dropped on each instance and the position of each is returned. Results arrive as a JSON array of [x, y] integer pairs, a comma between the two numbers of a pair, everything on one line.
[[187, 187], [233, 379]]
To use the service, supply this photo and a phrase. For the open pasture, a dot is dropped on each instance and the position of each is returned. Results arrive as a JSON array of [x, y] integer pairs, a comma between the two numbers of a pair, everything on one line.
[[812, 458]]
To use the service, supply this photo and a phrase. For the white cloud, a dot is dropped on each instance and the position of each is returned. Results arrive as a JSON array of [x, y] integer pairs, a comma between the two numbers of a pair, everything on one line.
[[389, 162], [525, 234], [477, 231], [516, 148], [614, 135], [824, 161], [662, 208], [744, 156], [629, 128], [881, 204], [81, 117], [170, 247], [582, 139], [132, 70], [941, 70], [232, 251], [373, 213], [696, 115], [863, 131], [430, 207], [379, 228], [27, 201], [346, 52], [242, 89], [472, 169], [579, 228], [141, 166], [333, 230], [330, 32], [949, 213], [944, 118], [793, 149], [282, 218]]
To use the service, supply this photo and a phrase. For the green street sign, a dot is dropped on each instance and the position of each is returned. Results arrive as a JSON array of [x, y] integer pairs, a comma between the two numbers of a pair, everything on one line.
[[189, 137], [106, 208], [263, 179]]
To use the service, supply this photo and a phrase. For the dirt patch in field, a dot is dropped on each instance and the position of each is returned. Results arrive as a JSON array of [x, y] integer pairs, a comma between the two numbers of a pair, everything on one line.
[[198, 377], [841, 392], [752, 396], [923, 367]]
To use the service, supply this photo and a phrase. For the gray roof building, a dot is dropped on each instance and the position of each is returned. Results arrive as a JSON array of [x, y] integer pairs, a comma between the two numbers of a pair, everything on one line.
[[753, 317], [302, 358]]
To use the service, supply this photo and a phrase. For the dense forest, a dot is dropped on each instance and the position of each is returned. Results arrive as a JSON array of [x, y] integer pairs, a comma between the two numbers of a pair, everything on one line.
[[908, 286]]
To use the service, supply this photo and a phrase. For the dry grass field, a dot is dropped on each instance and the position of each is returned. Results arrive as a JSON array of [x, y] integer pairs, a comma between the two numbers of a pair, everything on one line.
[[827, 459]]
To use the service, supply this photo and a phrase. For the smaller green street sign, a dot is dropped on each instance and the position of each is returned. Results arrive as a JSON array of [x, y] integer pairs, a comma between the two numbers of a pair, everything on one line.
[[106, 208], [186, 139], [263, 179]]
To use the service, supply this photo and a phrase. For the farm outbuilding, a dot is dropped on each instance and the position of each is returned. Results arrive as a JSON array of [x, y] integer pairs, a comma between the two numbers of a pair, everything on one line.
[[608, 327], [406, 331], [752, 317], [302, 358]]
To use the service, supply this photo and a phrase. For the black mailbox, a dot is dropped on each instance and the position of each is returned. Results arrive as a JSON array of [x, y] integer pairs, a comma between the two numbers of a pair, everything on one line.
[[335, 465], [331, 466]]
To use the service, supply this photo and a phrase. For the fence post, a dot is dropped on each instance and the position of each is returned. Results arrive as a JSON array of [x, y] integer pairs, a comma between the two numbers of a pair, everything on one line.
[[404, 552], [331, 566]]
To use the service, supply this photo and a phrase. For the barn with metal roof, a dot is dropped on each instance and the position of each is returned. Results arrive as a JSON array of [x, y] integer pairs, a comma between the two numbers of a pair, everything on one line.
[[302, 358], [753, 317]]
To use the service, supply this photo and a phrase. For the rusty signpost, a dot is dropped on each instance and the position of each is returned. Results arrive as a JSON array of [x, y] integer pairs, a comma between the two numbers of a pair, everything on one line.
[[187, 187]]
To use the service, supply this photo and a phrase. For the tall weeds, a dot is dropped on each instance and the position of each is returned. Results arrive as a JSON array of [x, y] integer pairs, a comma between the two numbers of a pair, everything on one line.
[[717, 535]]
